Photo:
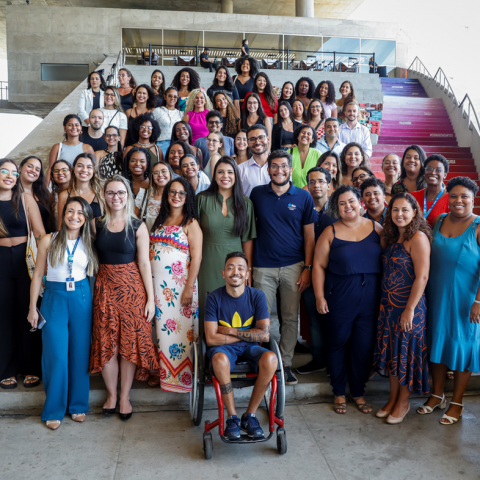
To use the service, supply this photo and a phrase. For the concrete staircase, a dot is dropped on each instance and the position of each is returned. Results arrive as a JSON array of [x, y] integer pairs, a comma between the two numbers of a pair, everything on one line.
[[411, 117], [367, 87]]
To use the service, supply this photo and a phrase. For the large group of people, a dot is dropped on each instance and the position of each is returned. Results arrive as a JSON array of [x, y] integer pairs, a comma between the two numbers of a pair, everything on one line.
[[199, 210]]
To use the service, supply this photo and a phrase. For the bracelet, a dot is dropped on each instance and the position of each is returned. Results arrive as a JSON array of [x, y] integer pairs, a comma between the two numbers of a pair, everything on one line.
[[476, 301]]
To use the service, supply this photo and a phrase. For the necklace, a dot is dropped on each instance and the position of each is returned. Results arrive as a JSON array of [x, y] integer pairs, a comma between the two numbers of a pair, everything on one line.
[[145, 144]]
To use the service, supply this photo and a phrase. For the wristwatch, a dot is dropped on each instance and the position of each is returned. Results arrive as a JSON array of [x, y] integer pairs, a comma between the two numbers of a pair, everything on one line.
[[308, 267]]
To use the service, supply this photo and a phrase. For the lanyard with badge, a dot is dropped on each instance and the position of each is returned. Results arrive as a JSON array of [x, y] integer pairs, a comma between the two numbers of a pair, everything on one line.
[[425, 212], [70, 282]]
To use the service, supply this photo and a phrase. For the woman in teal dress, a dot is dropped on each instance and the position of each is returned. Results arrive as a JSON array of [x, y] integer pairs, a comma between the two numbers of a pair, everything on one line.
[[453, 296], [227, 221], [401, 345]]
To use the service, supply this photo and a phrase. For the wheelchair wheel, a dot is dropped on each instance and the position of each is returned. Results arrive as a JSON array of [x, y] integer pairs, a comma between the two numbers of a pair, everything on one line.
[[280, 402], [197, 393], [281, 441], [207, 445]]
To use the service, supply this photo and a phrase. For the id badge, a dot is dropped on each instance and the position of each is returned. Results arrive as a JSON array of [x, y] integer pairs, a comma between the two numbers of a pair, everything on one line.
[[70, 282]]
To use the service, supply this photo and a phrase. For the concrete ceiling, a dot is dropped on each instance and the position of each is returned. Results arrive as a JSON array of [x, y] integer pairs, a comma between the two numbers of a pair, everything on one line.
[[323, 8]]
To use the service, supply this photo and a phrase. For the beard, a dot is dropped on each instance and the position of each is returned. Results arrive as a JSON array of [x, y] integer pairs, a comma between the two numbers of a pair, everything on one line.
[[281, 184], [96, 128]]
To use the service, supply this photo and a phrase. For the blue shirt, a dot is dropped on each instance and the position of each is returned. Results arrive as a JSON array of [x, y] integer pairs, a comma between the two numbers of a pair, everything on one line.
[[241, 312], [323, 221], [323, 147], [201, 143], [280, 221], [382, 218]]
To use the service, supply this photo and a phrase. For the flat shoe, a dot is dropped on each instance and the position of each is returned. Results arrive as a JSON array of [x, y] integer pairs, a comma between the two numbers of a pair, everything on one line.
[[50, 424], [383, 414], [78, 417], [394, 420]]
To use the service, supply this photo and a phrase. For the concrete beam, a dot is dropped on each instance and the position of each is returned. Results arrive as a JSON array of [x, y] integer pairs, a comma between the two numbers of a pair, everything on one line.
[[226, 6], [304, 8]]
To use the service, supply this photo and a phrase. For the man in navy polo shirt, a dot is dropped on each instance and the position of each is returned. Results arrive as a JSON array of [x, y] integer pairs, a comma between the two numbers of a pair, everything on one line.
[[283, 252]]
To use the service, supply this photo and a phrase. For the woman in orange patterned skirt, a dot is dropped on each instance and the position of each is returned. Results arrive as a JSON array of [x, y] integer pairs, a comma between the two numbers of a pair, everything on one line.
[[123, 300], [175, 254], [401, 347]]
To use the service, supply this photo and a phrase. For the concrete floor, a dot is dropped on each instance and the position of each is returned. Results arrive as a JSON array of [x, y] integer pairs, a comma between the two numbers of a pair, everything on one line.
[[321, 445]]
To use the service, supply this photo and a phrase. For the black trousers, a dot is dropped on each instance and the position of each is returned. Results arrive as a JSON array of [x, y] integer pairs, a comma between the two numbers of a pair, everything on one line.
[[20, 349]]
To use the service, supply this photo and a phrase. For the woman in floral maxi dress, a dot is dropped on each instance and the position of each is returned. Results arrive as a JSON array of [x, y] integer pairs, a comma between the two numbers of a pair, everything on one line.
[[175, 255]]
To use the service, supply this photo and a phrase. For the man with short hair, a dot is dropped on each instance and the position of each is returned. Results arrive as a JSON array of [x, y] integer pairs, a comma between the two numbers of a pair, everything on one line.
[[373, 196], [205, 62], [319, 184], [236, 321], [283, 250], [330, 142], [93, 136], [254, 171], [353, 131], [214, 121]]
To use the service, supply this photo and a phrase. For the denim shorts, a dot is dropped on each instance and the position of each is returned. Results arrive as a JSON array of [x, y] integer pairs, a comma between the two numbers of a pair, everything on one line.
[[244, 352]]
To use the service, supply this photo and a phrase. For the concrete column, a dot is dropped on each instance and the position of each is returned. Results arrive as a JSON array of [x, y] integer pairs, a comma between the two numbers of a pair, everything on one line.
[[304, 8], [227, 6]]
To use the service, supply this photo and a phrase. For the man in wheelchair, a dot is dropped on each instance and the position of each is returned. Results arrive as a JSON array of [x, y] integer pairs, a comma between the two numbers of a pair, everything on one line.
[[236, 321]]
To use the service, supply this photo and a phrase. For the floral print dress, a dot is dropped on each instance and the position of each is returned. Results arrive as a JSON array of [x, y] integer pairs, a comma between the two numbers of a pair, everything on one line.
[[177, 326]]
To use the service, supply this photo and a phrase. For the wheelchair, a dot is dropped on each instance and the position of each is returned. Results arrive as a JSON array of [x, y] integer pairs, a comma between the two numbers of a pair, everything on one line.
[[242, 376]]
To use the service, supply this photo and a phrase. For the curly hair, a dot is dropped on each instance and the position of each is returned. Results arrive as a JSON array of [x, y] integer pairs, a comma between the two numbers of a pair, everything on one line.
[[344, 154], [338, 179], [229, 86], [152, 96], [139, 120], [332, 208], [190, 210], [298, 130], [292, 97], [390, 231], [231, 124], [372, 181], [438, 158], [331, 91], [253, 65], [311, 86], [191, 100], [464, 182], [126, 171], [269, 92], [103, 85], [194, 79], [309, 111], [133, 83]]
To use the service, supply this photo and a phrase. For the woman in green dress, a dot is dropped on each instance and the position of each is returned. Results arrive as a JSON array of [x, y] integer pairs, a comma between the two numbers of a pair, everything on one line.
[[227, 220]]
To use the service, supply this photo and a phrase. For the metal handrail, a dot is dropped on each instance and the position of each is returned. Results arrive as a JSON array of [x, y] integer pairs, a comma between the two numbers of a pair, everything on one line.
[[2, 88], [112, 79], [468, 109]]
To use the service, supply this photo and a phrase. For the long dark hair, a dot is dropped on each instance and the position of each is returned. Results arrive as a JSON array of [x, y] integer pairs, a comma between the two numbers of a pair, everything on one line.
[[16, 196], [186, 149], [119, 153], [132, 83], [229, 85], [53, 185], [152, 96], [240, 213], [344, 154], [244, 113], [286, 104], [103, 84], [331, 91], [174, 134], [139, 120], [292, 97], [311, 86], [304, 115], [309, 111], [421, 154], [161, 90], [190, 210], [351, 96], [194, 79], [390, 231], [269, 93], [39, 188]]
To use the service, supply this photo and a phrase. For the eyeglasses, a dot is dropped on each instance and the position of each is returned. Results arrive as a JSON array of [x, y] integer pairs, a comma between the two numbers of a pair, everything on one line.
[[211, 122], [109, 94], [260, 138], [5, 171], [172, 96], [436, 170], [252, 104], [362, 176], [157, 173], [122, 74], [212, 140], [315, 107], [174, 193], [61, 170], [112, 135], [320, 182], [145, 127], [274, 167], [390, 164], [119, 194]]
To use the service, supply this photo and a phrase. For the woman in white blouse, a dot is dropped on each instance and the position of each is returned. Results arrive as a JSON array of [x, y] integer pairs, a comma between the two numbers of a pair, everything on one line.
[[92, 97], [113, 115]]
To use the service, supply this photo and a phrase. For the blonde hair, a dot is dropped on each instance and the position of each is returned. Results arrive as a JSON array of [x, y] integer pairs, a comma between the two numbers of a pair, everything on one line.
[[118, 100], [221, 139], [129, 211], [191, 100]]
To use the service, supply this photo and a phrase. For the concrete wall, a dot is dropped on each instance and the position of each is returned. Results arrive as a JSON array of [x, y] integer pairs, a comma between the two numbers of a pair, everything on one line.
[[81, 35]]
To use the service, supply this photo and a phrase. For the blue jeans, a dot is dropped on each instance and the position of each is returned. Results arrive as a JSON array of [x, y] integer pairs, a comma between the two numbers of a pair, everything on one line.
[[66, 339], [315, 326], [163, 146]]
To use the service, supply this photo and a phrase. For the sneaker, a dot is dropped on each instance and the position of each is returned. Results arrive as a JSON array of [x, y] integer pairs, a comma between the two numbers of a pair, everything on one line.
[[301, 348], [290, 378], [232, 430], [251, 426], [311, 367]]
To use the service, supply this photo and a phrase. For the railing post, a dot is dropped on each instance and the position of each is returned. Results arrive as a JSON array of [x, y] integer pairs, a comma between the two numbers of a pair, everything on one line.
[[150, 53], [288, 59], [374, 69], [196, 55], [334, 59]]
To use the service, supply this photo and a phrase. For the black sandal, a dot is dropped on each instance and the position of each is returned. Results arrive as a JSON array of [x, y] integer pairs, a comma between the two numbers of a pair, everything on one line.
[[6, 386], [36, 383]]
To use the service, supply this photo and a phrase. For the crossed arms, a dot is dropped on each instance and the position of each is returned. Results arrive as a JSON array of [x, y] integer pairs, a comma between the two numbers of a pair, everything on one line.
[[218, 335]]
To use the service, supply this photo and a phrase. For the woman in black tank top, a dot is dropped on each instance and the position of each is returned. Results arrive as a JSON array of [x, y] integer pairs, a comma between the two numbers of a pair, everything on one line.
[[20, 350], [123, 299], [86, 184]]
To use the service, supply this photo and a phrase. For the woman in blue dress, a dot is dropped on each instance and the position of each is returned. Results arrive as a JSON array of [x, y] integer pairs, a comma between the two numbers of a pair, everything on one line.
[[453, 295], [401, 345]]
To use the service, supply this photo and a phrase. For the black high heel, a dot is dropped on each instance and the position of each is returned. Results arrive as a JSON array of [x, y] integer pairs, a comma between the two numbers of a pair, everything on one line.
[[109, 411]]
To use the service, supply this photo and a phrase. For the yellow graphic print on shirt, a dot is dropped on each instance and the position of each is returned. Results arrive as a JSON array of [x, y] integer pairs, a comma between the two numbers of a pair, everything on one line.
[[237, 322]]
